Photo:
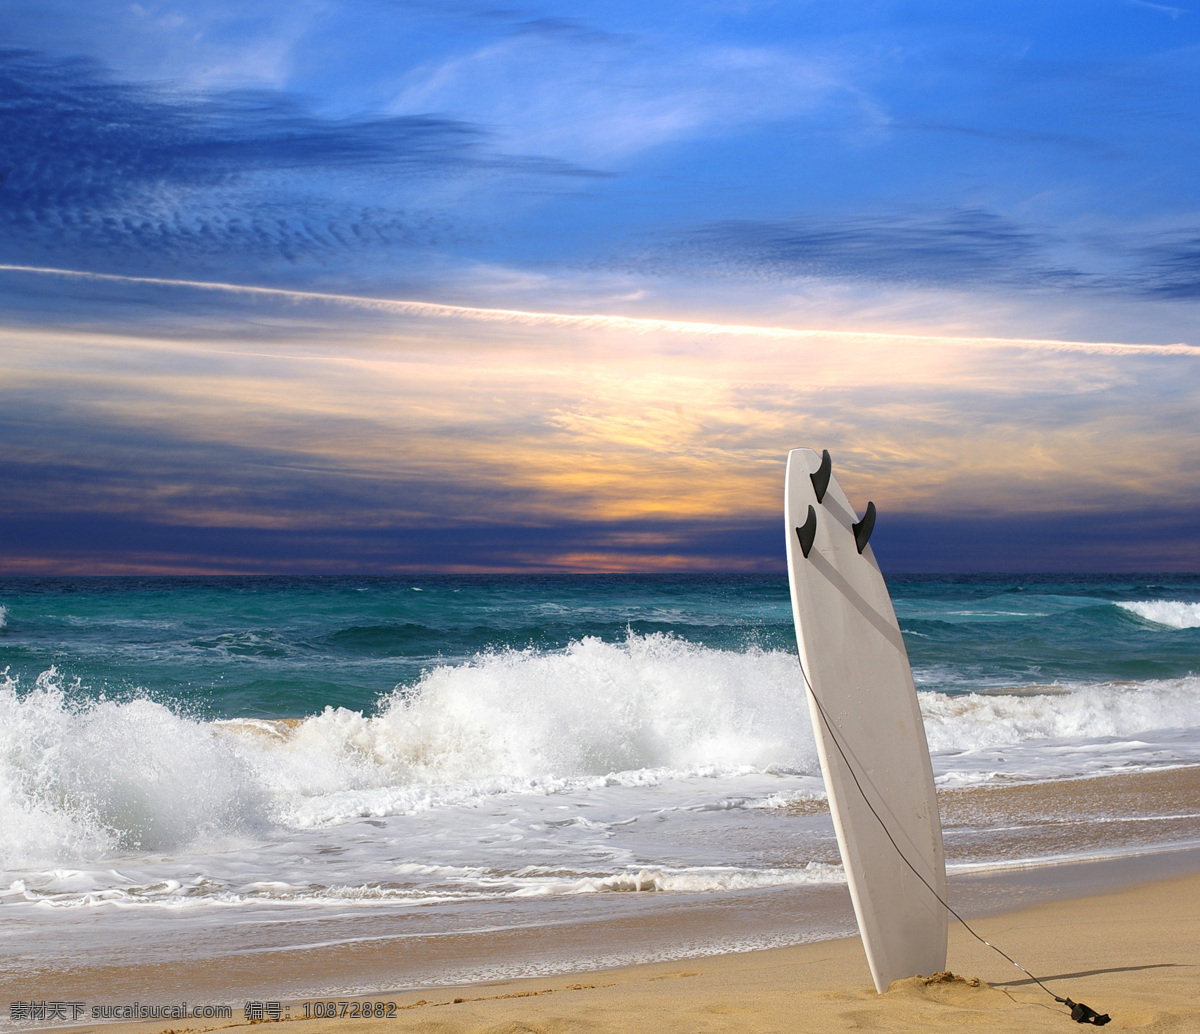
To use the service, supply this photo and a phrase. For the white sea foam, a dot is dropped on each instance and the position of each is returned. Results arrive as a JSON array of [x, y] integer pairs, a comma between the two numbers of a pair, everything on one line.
[[3, 616], [695, 880], [595, 714], [85, 780], [1057, 713], [90, 779], [411, 884], [1172, 613], [606, 731], [587, 712]]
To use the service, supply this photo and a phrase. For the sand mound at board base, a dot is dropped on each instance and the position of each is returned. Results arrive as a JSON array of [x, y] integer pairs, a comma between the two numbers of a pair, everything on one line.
[[943, 999]]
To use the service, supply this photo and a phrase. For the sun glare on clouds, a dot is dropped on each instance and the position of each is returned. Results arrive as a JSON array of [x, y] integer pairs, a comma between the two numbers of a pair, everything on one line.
[[463, 415]]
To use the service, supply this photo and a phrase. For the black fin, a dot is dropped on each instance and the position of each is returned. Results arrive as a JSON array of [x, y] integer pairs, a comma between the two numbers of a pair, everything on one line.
[[808, 532], [863, 529], [820, 476]]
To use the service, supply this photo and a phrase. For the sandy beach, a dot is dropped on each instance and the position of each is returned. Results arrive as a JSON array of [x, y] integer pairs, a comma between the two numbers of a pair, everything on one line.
[[1133, 953]]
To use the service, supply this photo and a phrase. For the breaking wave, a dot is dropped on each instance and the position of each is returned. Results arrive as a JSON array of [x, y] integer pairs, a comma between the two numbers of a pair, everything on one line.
[[93, 779], [1058, 713], [89, 779], [86, 779], [1172, 613]]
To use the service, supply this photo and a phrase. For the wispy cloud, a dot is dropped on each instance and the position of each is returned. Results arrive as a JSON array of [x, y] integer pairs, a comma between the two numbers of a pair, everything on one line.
[[633, 324], [964, 247], [968, 249], [1172, 268], [1174, 12], [559, 87], [218, 44]]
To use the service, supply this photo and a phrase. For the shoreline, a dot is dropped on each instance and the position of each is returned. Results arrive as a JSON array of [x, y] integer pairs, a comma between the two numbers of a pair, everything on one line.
[[577, 944], [1058, 840], [1133, 952]]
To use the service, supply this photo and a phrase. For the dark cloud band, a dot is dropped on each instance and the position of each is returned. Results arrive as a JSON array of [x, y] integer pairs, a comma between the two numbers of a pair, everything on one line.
[[118, 175]]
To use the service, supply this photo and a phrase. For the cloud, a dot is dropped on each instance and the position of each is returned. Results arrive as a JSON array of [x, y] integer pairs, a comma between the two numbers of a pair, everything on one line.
[[1172, 268], [967, 247], [1174, 12], [122, 173], [443, 422], [558, 87], [1125, 539], [549, 27], [1033, 139], [227, 42], [1134, 541], [588, 321]]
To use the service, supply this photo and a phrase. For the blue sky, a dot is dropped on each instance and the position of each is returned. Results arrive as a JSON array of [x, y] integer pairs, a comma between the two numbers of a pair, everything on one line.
[[948, 204]]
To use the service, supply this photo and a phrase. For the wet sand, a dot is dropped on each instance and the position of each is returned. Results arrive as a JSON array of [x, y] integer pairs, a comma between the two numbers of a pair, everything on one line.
[[1101, 814]]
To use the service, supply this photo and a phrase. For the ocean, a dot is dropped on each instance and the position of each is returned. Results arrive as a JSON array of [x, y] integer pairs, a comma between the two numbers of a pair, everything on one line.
[[202, 768]]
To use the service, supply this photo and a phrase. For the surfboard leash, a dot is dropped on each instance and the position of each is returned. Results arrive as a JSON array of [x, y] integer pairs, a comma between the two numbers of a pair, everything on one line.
[[1079, 1012]]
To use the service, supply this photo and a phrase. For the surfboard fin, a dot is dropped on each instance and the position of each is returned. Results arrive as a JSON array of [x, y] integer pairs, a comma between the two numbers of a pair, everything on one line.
[[863, 529], [820, 478], [808, 531]]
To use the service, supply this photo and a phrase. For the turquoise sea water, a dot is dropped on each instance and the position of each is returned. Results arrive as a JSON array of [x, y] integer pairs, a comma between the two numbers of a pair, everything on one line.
[[276, 647]]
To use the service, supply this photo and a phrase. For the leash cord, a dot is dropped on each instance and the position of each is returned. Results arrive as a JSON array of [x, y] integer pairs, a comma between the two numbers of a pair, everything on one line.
[[887, 832]]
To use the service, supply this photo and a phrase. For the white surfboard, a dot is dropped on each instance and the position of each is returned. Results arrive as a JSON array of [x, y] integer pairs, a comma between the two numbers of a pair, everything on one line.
[[857, 666]]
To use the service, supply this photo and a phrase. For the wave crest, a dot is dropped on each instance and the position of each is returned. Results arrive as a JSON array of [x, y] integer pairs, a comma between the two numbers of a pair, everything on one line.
[[523, 720], [1172, 613]]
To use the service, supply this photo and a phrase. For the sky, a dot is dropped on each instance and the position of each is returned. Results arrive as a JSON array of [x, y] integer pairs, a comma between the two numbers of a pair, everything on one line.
[[382, 286]]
